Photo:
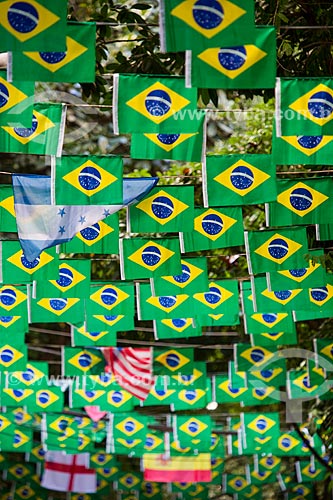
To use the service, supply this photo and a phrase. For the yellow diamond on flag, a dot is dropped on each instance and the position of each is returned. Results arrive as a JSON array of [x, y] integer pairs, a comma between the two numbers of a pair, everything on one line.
[[316, 105], [100, 230], [19, 260], [270, 248], [109, 296], [287, 442], [270, 320], [172, 359], [238, 483], [218, 58], [167, 303], [191, 396], [152, 441], [20, 439], [156, 139], [84, 360], [328, 351], [40, 124], [213, 224], [193, 427], [129, 443], [257, 355], [45, 398], [261, 424], [57, 306], [40, 18], [11, 297], [308, 145], [304, 383], [301, 199], [190, 271], [4, 423], [321, 295], [129, 426], [299, 275], [109, 320], [74, 50], [267, 374], [14, 97], [9, 355], [234, 392], [95, 336], [241, 170], [162, 207], [129, 479], [90, 169], [151, 248], [7, 321], [118, 398], [8, 203], [89, 396], [225, 13], [149, 101], [216, 296], [178, 325], [73, 277], [282, 297]]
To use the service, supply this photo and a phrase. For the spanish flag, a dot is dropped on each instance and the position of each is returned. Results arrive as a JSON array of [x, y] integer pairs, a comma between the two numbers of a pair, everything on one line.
[[194, 469]]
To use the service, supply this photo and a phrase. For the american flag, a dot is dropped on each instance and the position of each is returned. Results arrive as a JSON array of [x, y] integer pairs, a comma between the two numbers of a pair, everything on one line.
[[132, 368]]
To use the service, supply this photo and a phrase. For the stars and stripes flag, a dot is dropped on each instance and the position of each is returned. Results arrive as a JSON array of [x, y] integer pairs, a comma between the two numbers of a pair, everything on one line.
[[70, 473], [133, 369]]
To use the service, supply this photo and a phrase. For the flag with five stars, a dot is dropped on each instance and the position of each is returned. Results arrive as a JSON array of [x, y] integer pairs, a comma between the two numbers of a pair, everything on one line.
[[74, 64], [152, 104], [244, 66], [42, 225]]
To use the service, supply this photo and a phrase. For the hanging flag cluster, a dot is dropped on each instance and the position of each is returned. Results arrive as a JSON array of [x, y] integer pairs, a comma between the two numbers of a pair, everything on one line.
[[135, 419]]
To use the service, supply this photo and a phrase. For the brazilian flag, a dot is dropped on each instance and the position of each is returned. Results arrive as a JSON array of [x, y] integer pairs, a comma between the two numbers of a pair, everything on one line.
[[242, 66], [76, 361], [301, 202], [193, 431], [74, 64], [57, 309], [271, 339], [304, 106], [161, 307], [81, 337], [176, 146], [44, 136], [89, 180], [193, 279], [7, 211], [196, 25], [100, 238], [221, 297], [176, 328], [32, 25], [279, 301], [225, 392], [112, 323], [16, 103], [73, 281], [167, 209], [233, 180], [152, 104]]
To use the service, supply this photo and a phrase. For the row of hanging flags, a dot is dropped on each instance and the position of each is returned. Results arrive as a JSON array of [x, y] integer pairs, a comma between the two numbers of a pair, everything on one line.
[[160, 278]]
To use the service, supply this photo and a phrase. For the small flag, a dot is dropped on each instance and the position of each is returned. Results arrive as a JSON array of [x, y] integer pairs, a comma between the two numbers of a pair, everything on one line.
[[302, 149], [193, 469], [32, 24], [81, 337], [116, 297], [160, 105], [132, 368], [260, 431], [144, 258], [248, 66], [53, 310], [214, 228], [173, 361], [166, 210], [73, 281], [13, 300], [193, 431], [44, 137], [100, 238], [221, 297], [89, 180], [301, 201], [239, 179], [77, 361], [278, 301], [176, 328], [304, 106], [7, 212], [112, 322], [273, 250], [160, 307], [74, 64], [175, 146], [64, 472], [13, 356], [189, 24], [17, 100], [193, 278], [42, 225]]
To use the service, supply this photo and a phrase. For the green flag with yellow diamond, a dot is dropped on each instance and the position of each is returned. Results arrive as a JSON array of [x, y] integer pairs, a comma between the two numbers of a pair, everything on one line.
[[116, 297], [76, 361], [10, 325], [73, 280], [260, 431], [113, 323], [54, 310], [222, 297], [16, 103], [301, 201], [193, 279], [160, 307], [245, 66], [176, 328], [43, 137], [196, 25], [89, 180], [13, 300], [168, 210], [32, 25], [193, 431], [172, 361], [7, 211], [144, 258], [83, 338], [16, 268], [239, 179], [75, 64], [100, 238], [214, 228], [304, 106], [152, 104], [279, 301], [176, 146], [273, 250]]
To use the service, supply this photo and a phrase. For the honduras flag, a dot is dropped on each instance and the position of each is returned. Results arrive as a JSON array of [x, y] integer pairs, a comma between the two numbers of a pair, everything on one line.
[[42, 224]]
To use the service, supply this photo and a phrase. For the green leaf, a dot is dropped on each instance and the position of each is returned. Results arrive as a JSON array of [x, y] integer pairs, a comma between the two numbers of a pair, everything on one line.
[[141, 6]]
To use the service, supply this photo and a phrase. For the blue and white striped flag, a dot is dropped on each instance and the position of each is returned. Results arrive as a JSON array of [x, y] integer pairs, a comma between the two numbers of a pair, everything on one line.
[[42, 224]]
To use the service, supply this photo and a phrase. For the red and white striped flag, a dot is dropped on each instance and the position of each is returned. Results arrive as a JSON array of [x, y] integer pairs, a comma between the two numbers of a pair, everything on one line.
[[133, 369], [64, 472]]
